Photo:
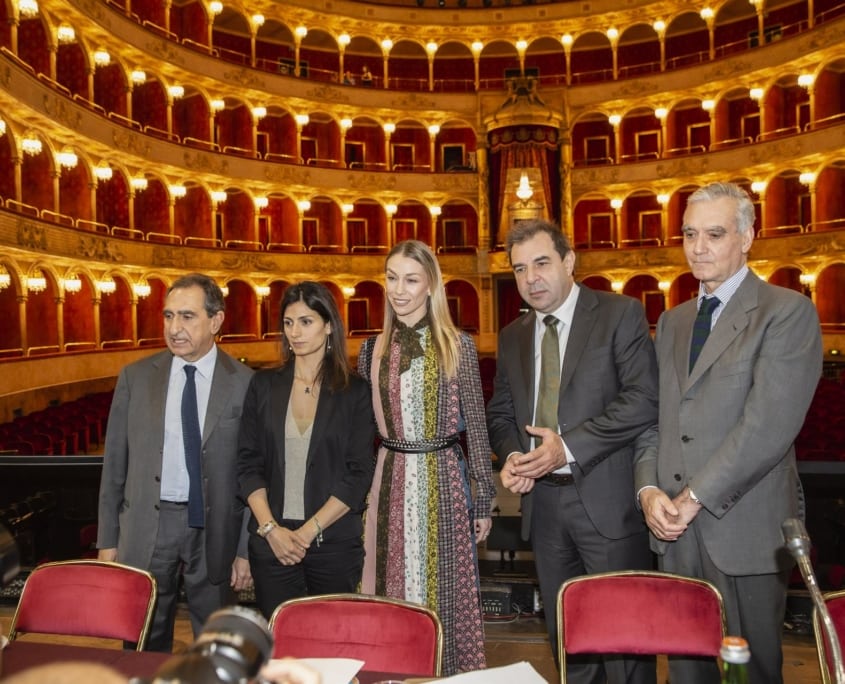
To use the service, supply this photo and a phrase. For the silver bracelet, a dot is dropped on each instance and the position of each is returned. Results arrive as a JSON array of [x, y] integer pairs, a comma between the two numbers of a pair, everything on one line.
[[265, 529]]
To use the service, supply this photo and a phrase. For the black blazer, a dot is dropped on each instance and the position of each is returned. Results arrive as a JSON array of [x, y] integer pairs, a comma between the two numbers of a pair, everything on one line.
[[341, 456]]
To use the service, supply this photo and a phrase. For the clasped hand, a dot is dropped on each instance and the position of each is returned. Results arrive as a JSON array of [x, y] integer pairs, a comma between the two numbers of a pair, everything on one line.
[[289, 546], [668, 518], [521, 470]]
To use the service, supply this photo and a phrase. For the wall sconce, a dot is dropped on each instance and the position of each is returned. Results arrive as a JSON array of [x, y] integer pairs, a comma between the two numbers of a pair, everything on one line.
[[389, 128], [708, 105], [808, 280], [67, 158], [659, 26], [345, 124], [218, 196], [138, 77], [807, 178], [664, 286], [106, 286], [103, 172], [391, 209], [72, 284], [31, 145], [755, 94], [28, 9], [663, 199], [2, 128], [300, 32], [262, 291], [435, 210], [225, 290], [521, 46], [177, 191], [303, 205], [102, 58], [347, 208], [5, 278], [612, 34], [386, 45], [261, 202], [566, 40], [524, 191], [259, 112], [617, 286], [614, 119], [661, 113], [806, 80], [176, 92], [706, 13], [476, 47], [758, 187], [344, 39], [431, 48], [217, 105], [616, 203], [433, 130], [139, 183], [141, 290], [65, 34], [348, 291], [215, 7], [302, 120], [36, 283], [258, 20]]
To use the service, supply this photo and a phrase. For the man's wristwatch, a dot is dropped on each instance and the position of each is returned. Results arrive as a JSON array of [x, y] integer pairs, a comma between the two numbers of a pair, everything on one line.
[[264, 529], [693, 497]]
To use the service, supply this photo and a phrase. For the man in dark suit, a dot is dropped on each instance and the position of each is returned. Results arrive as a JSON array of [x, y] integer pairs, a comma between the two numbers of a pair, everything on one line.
[[146, 488], [576, 472], [720, 478]]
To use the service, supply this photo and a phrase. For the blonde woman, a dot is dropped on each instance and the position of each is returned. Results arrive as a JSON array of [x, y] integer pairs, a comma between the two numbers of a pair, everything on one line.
[[422, 524]]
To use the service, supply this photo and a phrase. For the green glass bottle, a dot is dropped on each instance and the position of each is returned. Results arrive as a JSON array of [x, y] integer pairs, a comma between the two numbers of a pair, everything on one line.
[[735, 656]]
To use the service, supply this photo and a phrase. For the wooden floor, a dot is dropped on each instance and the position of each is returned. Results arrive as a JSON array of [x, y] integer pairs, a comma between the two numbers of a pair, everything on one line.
[[524, 639]]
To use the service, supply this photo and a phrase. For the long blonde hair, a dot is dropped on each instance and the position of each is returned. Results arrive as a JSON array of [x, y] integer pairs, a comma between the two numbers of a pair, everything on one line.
[[444, 332]]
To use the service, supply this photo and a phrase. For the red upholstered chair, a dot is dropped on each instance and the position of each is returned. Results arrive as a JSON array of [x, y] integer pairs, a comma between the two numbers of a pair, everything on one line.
[[87, 598], [835, 601], [639, 612], [389, 635]]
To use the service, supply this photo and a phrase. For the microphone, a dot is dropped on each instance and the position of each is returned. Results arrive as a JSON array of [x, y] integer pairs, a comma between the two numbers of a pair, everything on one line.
[[798, 544]]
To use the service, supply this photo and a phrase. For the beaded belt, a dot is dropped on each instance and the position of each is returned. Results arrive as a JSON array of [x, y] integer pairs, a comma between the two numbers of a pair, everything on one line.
[[422, 447]]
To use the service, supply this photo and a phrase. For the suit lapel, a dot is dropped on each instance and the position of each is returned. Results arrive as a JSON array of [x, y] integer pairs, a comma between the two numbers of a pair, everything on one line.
[[322, 423], [221, 391], [159, 379], [277, 411], [683, 338], [583, 320], [525, 340]]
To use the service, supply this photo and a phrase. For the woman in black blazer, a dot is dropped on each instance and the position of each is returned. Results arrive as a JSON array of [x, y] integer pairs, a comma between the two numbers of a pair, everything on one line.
[[305, 457]]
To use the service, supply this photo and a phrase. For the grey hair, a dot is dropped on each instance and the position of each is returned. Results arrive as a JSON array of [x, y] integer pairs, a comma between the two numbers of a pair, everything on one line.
[[744, 215]]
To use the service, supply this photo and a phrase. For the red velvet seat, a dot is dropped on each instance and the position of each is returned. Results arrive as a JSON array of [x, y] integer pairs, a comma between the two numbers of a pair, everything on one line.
[[389, 635], [835, 602], [87, 598], [639, 612]]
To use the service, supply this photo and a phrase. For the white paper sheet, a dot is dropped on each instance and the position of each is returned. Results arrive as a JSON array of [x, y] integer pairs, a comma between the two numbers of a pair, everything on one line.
[[521, 672], [334, 670]]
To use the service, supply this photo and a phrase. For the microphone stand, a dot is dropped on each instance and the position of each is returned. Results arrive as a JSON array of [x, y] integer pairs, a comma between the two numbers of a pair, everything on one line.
[[798, 544]]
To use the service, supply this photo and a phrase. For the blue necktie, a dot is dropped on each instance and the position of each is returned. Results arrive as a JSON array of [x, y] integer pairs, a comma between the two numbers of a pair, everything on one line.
[[701, 328], [192, 438]]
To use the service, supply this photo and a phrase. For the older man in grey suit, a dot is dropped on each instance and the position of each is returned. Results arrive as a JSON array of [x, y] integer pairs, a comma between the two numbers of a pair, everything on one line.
[[162, 509], [584, 399], [738, 368]]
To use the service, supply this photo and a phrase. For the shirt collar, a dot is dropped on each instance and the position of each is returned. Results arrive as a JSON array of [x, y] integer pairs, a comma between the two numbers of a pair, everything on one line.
[[205, 365], [564, 312], [727, 289]]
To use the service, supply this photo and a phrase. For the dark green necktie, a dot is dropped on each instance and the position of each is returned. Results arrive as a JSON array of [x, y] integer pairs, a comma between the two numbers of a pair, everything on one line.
[[547, 395], [701, 328]]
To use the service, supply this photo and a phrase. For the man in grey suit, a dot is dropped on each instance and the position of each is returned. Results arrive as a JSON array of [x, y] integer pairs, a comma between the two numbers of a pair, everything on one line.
[[577, 506], [146, 487], [718, 478]]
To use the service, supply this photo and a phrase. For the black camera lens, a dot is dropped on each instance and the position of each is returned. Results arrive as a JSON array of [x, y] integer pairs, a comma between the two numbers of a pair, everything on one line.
[[234, 644]]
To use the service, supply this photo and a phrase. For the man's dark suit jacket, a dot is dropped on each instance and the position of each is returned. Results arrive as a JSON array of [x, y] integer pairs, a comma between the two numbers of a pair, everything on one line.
[[608, 396], [130, 488]]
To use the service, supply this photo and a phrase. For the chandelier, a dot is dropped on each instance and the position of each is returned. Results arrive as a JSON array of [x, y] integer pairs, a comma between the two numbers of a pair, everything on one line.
[[72, 284], [67, 158], [28, 9], [31, 145], [36, 283], [523, 190], [106, 286], [141, 290], [5, 278]]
